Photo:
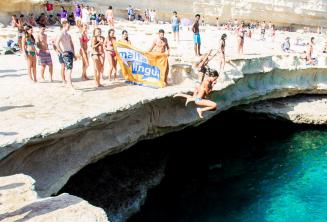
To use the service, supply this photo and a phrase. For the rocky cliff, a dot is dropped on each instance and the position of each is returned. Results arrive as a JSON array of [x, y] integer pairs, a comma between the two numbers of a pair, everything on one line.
[[51, 154], [19, 202], [303, 12]]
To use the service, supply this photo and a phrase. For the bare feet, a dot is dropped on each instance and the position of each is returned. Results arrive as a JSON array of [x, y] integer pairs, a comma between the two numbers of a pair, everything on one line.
[[199, 112], [85, 78]]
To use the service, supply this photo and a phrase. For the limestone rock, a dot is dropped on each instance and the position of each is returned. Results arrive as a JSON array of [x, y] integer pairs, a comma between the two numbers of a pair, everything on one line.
[[305, 109], [19, 202]]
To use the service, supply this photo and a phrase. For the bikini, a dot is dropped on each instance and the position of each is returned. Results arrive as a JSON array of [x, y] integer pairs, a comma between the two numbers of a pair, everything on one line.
[[111, 51], [30, 42]]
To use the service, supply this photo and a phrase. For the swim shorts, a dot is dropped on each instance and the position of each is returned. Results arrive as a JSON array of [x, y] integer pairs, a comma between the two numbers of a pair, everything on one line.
[[197, 38], [68, 58], [197, 99], [61, 60], [45, 58], [175, 28]]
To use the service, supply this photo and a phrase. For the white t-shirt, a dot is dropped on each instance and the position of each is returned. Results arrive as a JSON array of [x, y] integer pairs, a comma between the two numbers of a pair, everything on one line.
[[85, 15]]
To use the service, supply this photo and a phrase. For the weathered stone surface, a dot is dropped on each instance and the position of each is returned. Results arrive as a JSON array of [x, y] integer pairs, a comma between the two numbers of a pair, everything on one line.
[[303, 109], [306, 12], [19, 202]]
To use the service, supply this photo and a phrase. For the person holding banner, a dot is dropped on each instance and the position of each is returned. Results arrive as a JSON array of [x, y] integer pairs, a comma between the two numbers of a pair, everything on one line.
[[160, 45], [125, 38], [111, 54], [97, 55]]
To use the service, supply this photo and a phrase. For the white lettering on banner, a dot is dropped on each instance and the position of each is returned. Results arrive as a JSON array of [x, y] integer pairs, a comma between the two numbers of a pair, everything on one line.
[[130, 55]]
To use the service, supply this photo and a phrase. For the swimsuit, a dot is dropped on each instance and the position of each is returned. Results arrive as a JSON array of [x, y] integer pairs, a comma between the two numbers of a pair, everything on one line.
[[68, 58], [197, 99], [45, 58], [111, 51], [197, 38], [30, 42]]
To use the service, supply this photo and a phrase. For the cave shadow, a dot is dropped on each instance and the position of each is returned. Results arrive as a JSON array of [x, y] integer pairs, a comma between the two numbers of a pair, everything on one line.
[[109, 87], [11, 186], [40, 208], [6, 108], [8, 133]]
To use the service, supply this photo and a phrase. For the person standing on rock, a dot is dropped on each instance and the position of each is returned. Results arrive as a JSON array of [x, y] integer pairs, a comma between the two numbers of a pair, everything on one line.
[[309, 53], [63, 14], [61, 61], [110, 17], [20, 29], [221, 53], [98, 55], [28, 44], [175, 22], [263, 30], [196, 35], [240, 32], [83, 39], [44, 53], [65, 46], [111, 54], [160, 45]]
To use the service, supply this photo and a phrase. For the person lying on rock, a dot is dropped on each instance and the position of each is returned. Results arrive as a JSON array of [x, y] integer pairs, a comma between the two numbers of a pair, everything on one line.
[[204, 90]]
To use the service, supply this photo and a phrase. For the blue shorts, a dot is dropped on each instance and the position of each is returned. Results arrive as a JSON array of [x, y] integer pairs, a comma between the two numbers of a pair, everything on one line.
[[61, 60], [175, 28], [197, 39]]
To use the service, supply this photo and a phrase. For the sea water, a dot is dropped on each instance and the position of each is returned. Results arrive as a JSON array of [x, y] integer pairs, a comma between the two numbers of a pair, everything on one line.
[[281, 177], [235, 167]]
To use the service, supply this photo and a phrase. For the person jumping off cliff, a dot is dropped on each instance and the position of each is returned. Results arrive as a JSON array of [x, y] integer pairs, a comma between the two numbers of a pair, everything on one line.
[[204, 90]]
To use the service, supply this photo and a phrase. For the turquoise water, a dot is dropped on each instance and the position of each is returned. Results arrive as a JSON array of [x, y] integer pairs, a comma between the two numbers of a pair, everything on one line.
[[234, 168], [282, 180]]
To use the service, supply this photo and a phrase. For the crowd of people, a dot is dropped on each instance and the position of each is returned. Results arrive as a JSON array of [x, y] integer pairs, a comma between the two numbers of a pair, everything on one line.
[[36, 49]]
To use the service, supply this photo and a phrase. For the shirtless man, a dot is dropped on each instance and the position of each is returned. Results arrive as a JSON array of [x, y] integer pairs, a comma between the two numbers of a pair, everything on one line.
[[44, 53], [65, 47], [110, 17], [196, 35], [14, 21], [20, 28], [161, 45], [61, 61], [204, 91]]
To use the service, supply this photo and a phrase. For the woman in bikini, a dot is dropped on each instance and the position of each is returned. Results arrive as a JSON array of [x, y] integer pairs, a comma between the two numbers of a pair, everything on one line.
[[125, 38], [83, 51], [97, 55], [28, 44], [111, 54], [240, 38]]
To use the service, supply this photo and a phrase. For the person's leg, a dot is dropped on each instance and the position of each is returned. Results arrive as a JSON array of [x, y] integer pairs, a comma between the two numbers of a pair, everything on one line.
[[209, 105], [199, 49], [110, 65], [63, 76], [29, 67], [34, 68], [114, 67], [195, 49], [187, 97], [101, 60], [166, 74], [178, 36], [51, 71], [85, 61], [42, 71]]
